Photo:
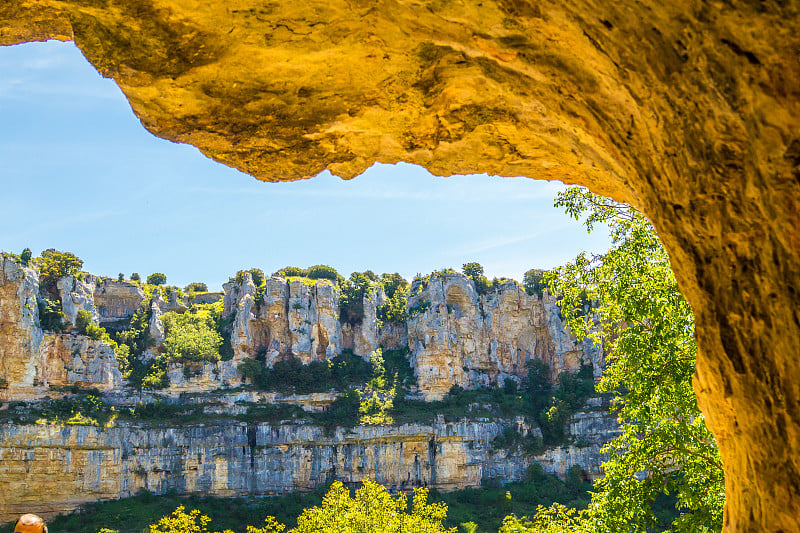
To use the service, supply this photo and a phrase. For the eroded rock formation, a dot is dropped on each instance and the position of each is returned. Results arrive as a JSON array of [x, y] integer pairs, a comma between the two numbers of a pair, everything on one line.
[[688, 110], [81, 464], [458, 337], [33, 361], [117, 300]]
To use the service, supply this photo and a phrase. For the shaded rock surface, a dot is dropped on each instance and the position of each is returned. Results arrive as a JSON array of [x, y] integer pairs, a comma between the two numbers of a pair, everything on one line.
[[116, 300]]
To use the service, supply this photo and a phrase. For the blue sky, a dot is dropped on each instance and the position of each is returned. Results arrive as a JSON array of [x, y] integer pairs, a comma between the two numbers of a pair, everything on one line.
[[79, 173]]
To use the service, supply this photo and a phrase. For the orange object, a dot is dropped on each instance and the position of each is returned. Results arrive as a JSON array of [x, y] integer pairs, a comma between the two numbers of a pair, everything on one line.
[[30, 523]]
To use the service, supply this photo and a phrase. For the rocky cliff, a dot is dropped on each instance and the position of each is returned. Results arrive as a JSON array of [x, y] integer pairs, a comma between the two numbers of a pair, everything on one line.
[[79, 464], [458, 337], [33, 361], [452, 336], [688, 110]]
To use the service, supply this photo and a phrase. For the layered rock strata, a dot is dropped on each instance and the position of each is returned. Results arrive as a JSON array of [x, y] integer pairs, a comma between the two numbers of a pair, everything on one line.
[[80, 464]]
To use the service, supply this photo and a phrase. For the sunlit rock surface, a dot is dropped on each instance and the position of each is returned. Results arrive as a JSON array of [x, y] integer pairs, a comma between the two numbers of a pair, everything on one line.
[[51, 469], [458, 337], [77, 294], [31, 360], [689, 110]]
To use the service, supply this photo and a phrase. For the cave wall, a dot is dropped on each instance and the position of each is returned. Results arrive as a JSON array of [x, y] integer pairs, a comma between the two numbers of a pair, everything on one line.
[[688, 110]]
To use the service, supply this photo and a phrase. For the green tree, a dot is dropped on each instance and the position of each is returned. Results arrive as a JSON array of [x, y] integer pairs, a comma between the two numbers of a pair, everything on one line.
[[392, 283], [256, 274], [190, 337], [472, 270], [372, 509], [120, 277], [25, 256], [157, 278], [647, 326], [135, 277], [533, 281], [53, 266], [86, 325], [291, 271], [351, 297], [323, 272], [51, 318], [194, 522]]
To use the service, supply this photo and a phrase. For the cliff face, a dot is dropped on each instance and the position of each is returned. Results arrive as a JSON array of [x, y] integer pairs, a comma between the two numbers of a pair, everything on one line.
[[20, 335], [116, 300], [79, 464], [458, 337], [31, 360], [454, 336]]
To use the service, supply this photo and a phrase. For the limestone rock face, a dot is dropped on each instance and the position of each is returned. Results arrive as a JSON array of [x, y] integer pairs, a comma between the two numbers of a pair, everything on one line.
[[457, 337], [20, 335], [156, 331], [77, 295], [365, 337], [79, 464], [393, 336], [275, 336], [116, 300], [32, 360], [241, 340], [198, 378], [79, 360], [314, 320]]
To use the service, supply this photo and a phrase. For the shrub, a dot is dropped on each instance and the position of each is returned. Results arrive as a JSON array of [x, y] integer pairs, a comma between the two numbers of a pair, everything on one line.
[[351, 297], [25, 256], [323, 272], [196, 287], [86, 325], [251, 369], [190, 336], [343, 412], [157, 278], [120, 277], [256, 274], [135, 277], [156, 378], [53, 266], [396, 290], [392, 283], [285, 272], [51, 318]]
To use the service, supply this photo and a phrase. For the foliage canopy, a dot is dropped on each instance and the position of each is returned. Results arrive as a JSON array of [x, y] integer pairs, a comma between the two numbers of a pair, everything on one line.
[[639, 314]]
